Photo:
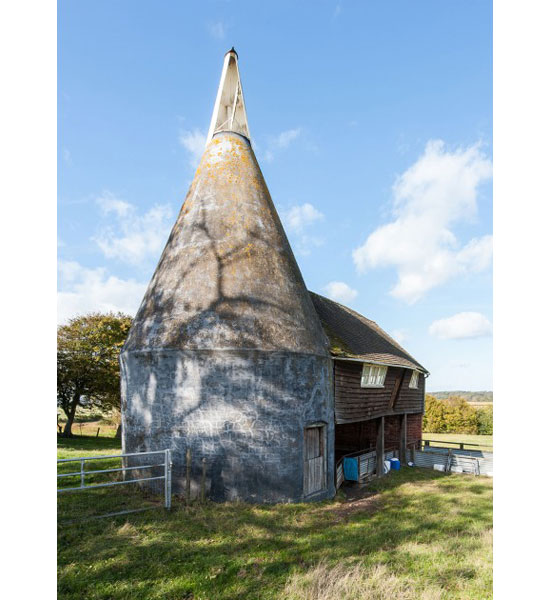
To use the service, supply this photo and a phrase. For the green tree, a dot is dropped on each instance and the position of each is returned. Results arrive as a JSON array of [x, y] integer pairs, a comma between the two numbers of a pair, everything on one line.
[[88, 371], [460, 417], [434, 415], [485, 420]]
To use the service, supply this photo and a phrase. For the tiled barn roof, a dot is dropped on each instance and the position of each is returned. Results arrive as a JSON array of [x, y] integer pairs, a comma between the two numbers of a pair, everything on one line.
[[352, 335]]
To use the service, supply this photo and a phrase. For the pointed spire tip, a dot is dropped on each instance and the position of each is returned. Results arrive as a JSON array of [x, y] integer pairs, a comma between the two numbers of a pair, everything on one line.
[[229, 110]]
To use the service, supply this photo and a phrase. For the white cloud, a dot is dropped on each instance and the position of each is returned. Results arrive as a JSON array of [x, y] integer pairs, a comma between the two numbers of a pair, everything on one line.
[[459, 364], [284, 139], [305, 244], [85, 290], [296, 220], [437, 192], [340, 291], [130, 237], [194, 141], [217, 30], [280, 142], [109, 203], [299, 217], [400, 336], [461, 326]]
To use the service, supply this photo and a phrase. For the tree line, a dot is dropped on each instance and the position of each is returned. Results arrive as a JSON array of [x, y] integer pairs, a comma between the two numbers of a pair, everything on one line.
[[455, 415]]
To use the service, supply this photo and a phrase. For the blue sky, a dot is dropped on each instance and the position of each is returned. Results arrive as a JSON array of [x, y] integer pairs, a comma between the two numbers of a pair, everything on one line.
[[371, 121]]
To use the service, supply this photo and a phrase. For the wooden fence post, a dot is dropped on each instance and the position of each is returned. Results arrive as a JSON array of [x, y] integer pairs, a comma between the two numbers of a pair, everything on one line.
[[380, 448], [403, 440], [449, 460], [188, 476], [203, 480]]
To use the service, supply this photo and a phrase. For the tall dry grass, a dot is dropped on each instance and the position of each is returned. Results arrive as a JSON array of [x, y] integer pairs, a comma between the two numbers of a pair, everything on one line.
[[344, 582]]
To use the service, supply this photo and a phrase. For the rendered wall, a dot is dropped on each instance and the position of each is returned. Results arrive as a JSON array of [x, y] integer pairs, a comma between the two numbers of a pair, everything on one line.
[[244, 411]]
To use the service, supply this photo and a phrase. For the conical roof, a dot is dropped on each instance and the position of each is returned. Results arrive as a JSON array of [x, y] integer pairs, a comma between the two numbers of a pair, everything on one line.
[[227, 278]]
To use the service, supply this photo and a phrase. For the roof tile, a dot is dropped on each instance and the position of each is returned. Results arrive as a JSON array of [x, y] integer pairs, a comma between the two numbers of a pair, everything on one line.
[[352, 335]]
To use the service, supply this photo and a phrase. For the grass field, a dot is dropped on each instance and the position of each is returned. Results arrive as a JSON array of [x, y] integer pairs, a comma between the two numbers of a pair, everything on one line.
[[89, 429], [88, 421], [414, 534], [486, 440], [86, 446]]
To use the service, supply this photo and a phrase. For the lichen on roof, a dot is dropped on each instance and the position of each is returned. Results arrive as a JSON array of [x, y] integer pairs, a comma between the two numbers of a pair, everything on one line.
[[337, 345]]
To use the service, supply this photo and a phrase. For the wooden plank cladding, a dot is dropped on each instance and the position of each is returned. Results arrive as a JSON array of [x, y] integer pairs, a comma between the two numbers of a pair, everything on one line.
[[362, 435], [354, 403]]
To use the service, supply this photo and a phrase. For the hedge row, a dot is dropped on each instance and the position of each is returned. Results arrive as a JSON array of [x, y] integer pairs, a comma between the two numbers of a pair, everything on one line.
[[455, 415]]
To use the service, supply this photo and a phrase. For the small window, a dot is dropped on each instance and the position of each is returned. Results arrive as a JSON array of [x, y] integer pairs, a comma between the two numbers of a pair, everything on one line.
[[413, 383], [373, 376]]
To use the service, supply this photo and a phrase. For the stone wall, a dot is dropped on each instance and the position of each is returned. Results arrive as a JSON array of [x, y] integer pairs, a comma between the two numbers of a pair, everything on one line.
[[244, 411]]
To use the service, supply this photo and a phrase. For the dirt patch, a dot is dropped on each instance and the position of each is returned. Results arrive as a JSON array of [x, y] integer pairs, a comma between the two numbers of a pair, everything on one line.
[[358, 500]]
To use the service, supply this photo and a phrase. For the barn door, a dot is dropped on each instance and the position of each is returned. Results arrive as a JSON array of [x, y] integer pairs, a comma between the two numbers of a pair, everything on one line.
[[314, 460]]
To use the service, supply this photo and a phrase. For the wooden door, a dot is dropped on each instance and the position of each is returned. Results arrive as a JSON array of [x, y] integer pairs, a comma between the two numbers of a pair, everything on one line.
[[314, 460]]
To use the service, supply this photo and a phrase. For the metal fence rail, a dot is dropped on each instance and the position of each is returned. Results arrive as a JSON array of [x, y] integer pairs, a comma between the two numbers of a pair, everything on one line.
[[461, 445], [143, 470], [464, 461], [339, 473], [367, 464], [358, 466]]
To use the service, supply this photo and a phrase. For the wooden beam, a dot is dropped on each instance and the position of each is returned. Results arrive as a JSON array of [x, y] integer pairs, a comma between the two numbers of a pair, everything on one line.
[[403, 440], [380, 448], [396, 389]]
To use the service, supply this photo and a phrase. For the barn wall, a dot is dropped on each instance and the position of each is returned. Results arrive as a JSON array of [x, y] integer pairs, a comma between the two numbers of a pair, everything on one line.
[[244, 411], [354, 403], [392, 429], [351, 437], [414, 427], [361, 435]]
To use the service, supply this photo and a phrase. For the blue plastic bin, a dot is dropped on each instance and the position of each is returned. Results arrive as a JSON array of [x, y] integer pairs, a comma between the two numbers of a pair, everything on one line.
[[395, 464]]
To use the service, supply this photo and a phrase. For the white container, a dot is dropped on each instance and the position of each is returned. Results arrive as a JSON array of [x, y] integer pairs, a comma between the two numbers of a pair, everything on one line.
[[439, 468], [387, 466]]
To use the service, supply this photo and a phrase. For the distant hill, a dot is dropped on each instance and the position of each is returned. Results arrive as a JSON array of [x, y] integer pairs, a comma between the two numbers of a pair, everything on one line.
[[468, 396]]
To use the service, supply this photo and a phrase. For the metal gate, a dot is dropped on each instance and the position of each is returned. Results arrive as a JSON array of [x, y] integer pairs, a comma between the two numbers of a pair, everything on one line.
[[88, 492]]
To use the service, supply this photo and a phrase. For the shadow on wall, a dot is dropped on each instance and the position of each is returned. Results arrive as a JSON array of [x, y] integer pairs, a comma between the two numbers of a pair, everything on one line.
[[227, 355], [243, 411], [231, 280]]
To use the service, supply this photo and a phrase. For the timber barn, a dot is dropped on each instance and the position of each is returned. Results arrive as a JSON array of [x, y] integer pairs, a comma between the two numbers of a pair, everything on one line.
[[230, 357]]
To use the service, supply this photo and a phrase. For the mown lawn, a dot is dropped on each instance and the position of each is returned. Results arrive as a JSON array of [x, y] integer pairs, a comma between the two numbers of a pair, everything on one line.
[[485, 440], [86, 446], [414, 534]]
